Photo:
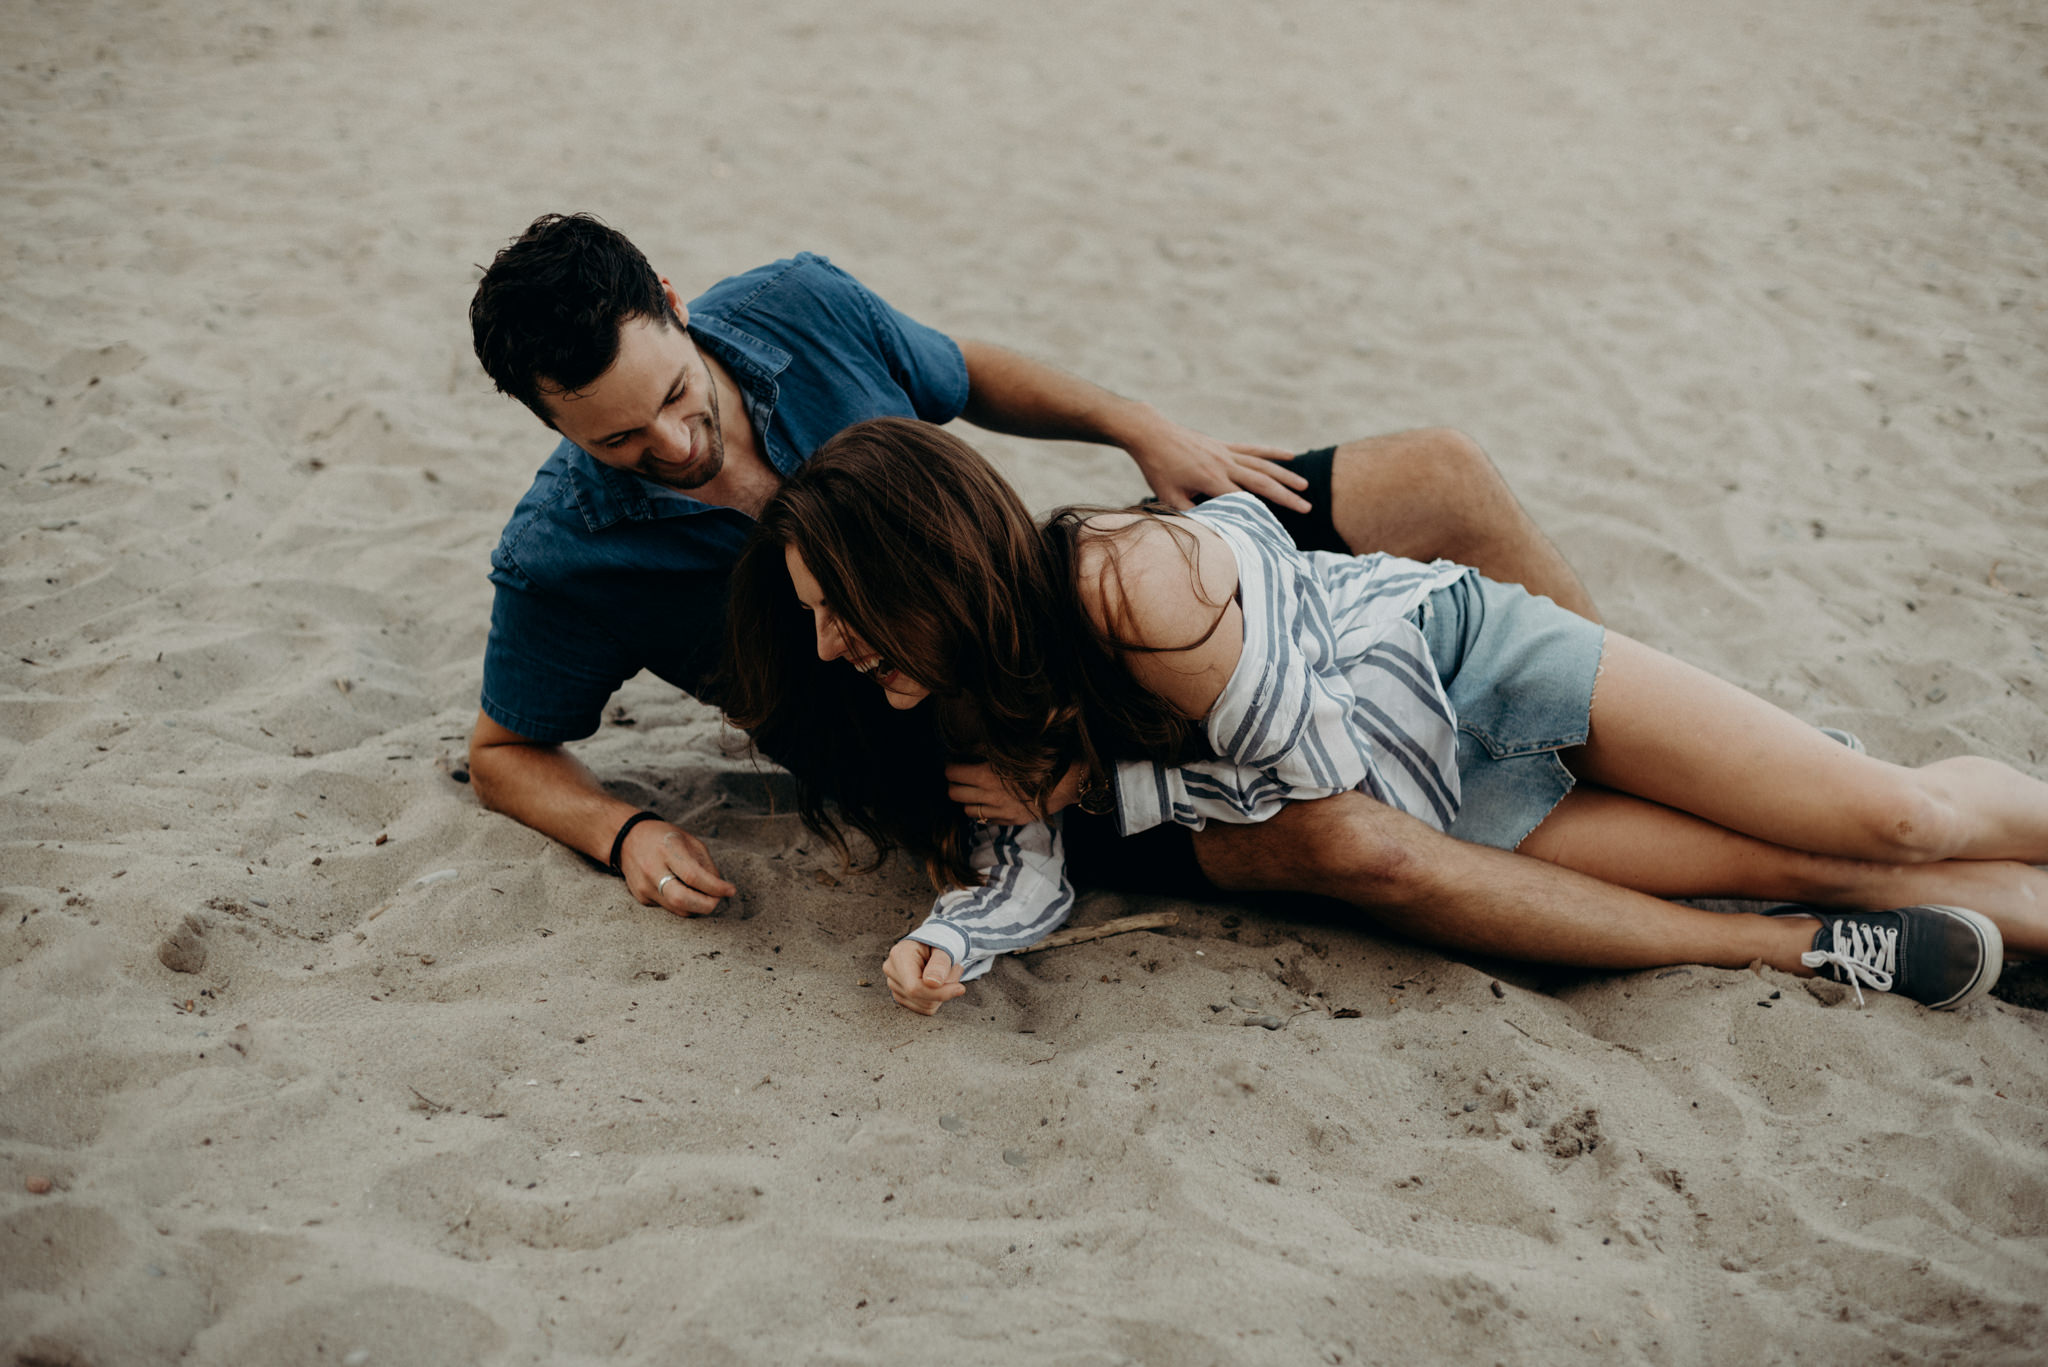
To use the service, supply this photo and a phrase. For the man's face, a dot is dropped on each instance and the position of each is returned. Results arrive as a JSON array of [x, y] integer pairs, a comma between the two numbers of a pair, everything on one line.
[[654, 413]]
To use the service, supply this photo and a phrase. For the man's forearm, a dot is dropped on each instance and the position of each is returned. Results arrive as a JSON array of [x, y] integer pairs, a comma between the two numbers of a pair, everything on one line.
[[1019, 396], [549, 789]]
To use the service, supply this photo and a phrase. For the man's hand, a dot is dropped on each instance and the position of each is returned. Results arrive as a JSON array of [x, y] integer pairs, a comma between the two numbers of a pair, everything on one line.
[[667, 867], [1184, 467], [975, 786], [549, 789], [1011, 393], [922, 978]]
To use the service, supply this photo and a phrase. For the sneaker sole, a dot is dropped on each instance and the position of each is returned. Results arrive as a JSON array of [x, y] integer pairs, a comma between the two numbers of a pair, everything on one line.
[[1993, 960]]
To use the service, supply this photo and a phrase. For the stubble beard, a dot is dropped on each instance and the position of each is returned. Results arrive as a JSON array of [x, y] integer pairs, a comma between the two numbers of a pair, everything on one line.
[[714, 449]]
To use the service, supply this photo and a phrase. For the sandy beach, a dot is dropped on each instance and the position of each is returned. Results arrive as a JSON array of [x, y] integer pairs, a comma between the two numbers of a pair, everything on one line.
[[305, 1058]]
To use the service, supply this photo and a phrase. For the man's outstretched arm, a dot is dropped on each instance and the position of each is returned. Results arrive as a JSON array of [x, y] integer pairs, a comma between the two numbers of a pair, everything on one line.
[[545, 787], [1019, 396], [1422, 494]]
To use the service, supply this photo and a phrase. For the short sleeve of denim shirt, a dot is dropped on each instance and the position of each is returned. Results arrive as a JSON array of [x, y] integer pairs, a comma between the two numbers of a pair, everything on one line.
[[548, 673], [850, 355]]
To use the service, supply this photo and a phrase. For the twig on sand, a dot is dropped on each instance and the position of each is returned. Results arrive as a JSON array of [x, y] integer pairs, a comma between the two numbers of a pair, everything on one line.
[[1151, 920]]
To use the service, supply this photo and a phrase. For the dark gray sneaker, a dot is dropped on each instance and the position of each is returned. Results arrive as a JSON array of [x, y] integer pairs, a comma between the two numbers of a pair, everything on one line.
[[1942, 957]]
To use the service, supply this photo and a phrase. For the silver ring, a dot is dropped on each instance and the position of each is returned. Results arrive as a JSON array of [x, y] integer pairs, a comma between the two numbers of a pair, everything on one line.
[[666, 879]]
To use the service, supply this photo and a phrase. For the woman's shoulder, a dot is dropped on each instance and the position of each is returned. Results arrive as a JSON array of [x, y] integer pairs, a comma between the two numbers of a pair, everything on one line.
[[1150, 579]]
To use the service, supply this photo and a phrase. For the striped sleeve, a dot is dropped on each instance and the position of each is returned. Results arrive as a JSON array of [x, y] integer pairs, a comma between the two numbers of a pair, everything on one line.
[[1026, 897]]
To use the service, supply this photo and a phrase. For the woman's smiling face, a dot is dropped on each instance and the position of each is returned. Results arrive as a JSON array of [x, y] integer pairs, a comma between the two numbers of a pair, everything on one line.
[[838, 641]]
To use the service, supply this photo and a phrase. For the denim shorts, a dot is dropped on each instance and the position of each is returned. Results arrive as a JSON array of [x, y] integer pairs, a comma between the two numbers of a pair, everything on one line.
[[1519, 669]]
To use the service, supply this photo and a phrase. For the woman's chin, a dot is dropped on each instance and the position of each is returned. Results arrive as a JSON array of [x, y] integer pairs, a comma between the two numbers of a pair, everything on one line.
[[901, 692]]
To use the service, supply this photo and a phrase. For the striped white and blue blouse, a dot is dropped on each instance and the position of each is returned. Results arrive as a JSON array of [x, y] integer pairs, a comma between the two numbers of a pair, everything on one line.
[[1334, 690]]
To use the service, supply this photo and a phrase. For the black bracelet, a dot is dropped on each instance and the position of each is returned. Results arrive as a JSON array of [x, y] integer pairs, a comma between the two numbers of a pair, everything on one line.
[[619, 840]]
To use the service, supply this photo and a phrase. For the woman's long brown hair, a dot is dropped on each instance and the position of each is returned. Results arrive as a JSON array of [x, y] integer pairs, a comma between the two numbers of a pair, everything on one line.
[[924, 551]]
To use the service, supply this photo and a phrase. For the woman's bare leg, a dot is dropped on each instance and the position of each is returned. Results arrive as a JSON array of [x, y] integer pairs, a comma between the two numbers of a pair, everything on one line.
[[1667, 853], [1678, 736]]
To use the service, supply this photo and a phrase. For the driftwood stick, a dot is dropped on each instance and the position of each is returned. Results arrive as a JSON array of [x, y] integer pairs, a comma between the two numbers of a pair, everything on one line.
[[1151, 920]]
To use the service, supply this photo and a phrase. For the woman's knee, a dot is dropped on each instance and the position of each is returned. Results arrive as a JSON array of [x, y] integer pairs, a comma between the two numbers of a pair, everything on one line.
[[1905, 819]]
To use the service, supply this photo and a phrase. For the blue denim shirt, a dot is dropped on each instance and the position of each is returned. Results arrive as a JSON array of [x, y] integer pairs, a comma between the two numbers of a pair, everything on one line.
[[601, 574]]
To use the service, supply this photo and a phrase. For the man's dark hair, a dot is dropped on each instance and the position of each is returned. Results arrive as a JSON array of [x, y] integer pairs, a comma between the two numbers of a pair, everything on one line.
[[547, 313]]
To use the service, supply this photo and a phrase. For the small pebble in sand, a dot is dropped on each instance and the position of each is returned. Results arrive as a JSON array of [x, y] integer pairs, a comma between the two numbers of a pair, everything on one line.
[[1015, 1157], [953, 1123], [437, 876], [38, 1185], [1498, 990], [1269, 1022], [1248, 1003]]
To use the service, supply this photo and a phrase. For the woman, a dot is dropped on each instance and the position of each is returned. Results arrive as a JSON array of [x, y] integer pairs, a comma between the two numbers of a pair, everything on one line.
[[1196, 667]]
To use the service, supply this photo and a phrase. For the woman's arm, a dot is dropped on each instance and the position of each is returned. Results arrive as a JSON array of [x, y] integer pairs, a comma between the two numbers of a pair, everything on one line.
[[1283, 718], [1167, 591], [1024, 898]]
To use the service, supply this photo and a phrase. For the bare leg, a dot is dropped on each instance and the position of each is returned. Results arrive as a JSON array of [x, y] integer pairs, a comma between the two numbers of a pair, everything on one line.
[[1666, 853], [1676, 735], [1433, 492], [1421, 883]]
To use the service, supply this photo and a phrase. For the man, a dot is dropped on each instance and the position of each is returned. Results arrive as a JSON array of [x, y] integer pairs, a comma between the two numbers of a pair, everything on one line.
[[678, 424]]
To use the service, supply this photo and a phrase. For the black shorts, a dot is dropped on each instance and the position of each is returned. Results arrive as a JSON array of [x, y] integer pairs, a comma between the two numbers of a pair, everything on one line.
[[1313, 530], [1162, 860]]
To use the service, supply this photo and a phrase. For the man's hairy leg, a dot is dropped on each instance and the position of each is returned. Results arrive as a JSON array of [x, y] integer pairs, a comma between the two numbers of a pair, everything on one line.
[[1434, 493], [1418, 882]]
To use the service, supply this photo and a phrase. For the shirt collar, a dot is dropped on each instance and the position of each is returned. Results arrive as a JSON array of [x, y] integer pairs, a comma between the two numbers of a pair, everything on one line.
[[606, 495]]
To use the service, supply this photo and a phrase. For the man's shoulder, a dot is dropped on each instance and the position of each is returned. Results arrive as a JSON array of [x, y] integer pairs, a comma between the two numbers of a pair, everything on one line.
[[546, 511], [790, 282]]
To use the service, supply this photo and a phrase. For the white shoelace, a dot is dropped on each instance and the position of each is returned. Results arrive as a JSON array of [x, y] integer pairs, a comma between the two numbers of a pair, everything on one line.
[[1865, 954]]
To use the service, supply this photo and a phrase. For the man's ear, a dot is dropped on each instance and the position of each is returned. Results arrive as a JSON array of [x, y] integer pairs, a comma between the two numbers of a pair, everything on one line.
[[675, 302]]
